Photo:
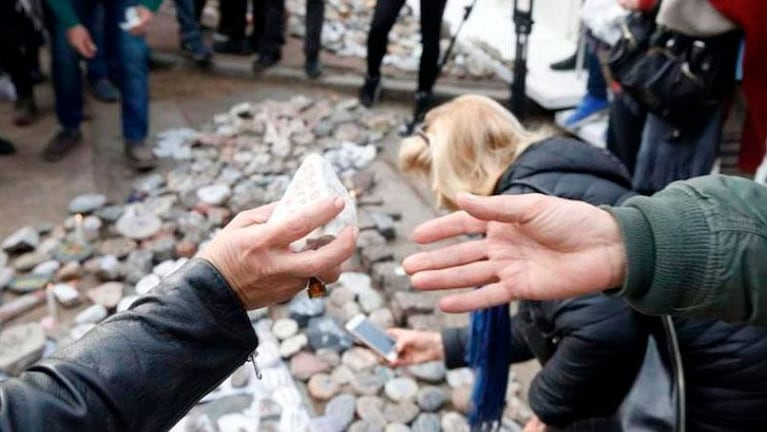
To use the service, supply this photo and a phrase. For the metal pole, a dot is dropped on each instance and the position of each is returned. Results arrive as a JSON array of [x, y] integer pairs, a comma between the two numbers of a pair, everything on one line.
[[523, 25]]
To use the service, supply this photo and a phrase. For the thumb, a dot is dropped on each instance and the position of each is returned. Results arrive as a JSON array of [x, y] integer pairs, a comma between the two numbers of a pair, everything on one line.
[[503, 208]]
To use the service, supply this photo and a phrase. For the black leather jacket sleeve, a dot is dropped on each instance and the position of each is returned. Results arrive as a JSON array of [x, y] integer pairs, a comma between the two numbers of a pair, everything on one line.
[[140, 370], [597, 358], [455, 342]]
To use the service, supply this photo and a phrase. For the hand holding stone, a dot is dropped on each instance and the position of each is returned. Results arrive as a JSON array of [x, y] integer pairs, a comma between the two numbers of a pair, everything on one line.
[[534, 247], [254, 256]]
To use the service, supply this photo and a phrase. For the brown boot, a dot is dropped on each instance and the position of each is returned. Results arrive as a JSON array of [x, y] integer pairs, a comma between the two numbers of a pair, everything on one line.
[[139, 155], [61, 144]]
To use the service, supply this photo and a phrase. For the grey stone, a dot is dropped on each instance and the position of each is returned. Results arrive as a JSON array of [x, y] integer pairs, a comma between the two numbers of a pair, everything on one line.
[[6, 276], [284, 328], [47, 267], [138, 224], [367, 383], [163, 249], [406, 304], [433, 372], [363, 426], [241, 376], [28, 261], [322, 387], [370, 409], [110, 213], [454, 422], [401, 389], [460, 377], [108, 268], [403, 412], [216, 194], [375, 254], [382, 318], [341, 295], [107, 295], [396, 427], [426, 422], [324, 332], [87, 203], [21, 346], [269, 409], [22, 240], [369, 238], [323, 129], [302, 308], [359, 359], [147, 284], [430, 398], [138, 264], [69, 271], [343, 375], [461, 398], [391, 277], [23, 284], [304, 365], [291, 346], [370, 300], [119, 247], [329, 356], [91, 315], [384, 225], [424, 322], [341, 409]]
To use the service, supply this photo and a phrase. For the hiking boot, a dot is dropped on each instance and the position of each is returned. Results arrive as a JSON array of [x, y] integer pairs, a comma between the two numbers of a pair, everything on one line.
[[61, 144], [197, 52], [6, 147], [25, 111], [566, 64], [313, 67], [590, 109], [104, 90], [370, 92], [139, 155], [264, 62]]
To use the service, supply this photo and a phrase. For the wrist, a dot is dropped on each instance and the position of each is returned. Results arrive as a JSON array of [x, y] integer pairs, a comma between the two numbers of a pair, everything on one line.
[[438, 344]]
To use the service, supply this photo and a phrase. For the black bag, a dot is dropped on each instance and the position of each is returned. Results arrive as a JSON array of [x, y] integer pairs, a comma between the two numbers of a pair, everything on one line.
[[636, 31], [680, 77]]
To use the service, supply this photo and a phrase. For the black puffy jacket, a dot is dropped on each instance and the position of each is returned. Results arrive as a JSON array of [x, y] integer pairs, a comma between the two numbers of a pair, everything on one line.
[[140, 370], [592, 347]]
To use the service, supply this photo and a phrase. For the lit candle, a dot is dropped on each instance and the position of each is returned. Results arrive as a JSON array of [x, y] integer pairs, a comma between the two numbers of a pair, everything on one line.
[[53, 311], [79, 234]]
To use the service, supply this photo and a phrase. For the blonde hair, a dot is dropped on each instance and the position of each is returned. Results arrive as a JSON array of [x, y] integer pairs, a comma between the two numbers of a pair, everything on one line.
[[472, 140]]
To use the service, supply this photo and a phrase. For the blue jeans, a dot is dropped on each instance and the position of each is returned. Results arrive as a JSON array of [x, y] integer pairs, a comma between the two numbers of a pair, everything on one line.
[[186, 15], [104, 65], [596, 85], [132, 57]]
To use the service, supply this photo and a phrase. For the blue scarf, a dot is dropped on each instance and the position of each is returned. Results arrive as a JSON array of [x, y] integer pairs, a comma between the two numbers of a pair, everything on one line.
[[489, 355]]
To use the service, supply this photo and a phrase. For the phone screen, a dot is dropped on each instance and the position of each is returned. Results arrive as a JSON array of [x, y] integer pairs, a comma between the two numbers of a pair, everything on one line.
[[373, 336]]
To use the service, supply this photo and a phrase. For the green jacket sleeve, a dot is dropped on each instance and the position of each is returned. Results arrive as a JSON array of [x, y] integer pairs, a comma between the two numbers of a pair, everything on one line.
[[698, 249], [66, 15], [64, 12]]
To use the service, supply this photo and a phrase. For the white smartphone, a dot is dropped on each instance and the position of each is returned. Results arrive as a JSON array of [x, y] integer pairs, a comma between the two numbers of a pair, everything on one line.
[[372, 336]]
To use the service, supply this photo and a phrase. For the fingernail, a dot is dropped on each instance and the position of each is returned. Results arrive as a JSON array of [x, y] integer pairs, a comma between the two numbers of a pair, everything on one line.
[[355, 231], [338, 203]]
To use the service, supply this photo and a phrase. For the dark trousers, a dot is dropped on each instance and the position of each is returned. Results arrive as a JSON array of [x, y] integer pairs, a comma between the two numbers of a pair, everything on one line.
[[384, 17], [133, 69], [268, 24], [624, 130], [15, 52], [104, 65], [596, 85]]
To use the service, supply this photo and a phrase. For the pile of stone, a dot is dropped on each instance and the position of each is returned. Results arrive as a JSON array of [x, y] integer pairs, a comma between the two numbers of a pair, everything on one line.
[[107, 255], [345, 33]]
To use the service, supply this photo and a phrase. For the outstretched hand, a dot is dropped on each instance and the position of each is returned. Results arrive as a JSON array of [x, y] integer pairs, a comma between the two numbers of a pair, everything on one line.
[[534, 247], [416, 347], [254, 256]]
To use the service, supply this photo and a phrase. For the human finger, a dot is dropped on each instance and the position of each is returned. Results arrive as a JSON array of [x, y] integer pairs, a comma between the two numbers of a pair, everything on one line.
[[502, 208], [297, 226], [330, 275], [464, 276], [257, 215], [449, 256], [454, 224], [313, 262], [482, 298]]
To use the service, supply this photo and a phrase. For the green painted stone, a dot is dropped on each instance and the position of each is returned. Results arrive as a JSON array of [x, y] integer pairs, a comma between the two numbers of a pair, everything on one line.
[[28, 283]]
